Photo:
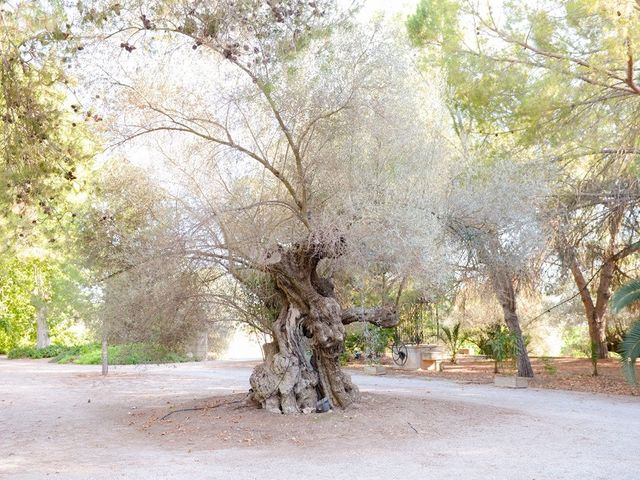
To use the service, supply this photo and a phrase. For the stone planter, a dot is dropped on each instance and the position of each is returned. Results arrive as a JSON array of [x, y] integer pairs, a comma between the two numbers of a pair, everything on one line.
[[414, 357], [510, 381], [374, 370]]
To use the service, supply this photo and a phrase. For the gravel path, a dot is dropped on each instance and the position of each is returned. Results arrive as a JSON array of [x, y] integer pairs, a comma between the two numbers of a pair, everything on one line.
[[67, 422]]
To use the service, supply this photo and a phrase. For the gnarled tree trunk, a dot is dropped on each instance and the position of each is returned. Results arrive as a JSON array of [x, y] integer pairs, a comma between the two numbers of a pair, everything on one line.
[[302, 364]]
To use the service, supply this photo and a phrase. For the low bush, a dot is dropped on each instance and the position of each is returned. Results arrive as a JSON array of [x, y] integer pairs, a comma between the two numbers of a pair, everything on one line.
[[33, 352], [91, 354], [576, 342], [498, 343], [549, 367], [370, 342]]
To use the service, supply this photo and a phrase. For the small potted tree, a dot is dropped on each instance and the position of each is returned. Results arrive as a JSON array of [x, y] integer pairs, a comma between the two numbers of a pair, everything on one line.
[[503, 349], [375, 340]]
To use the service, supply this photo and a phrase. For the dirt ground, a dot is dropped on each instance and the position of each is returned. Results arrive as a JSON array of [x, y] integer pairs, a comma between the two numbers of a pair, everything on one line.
[[376, 421], [68, 422], [558, 373]]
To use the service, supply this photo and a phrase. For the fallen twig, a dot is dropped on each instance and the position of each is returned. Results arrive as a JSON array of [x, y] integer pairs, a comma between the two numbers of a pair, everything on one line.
[[200, 408], [183, 410]]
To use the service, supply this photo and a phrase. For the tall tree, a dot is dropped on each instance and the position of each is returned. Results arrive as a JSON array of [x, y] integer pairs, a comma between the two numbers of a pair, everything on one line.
[[44, 147], [149, 290], [44, 144], [493, 215], [302, 145], [41, 296], [557, 80]]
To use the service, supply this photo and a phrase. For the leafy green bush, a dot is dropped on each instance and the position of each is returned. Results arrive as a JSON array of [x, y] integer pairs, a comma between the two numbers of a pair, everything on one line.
[[130, 354], [344, 358], [575, 342], [504, 347], [496, 342], [372, 344], [549, 367], [33, 352], [453, 338], [353, 343], [481, 337], [72, 354], [91, 354]]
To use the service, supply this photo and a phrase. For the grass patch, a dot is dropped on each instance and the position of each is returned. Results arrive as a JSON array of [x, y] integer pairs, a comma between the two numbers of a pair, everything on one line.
[[91, 354]]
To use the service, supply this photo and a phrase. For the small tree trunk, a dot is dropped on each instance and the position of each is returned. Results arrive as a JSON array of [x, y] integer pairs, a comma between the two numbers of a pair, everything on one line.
[[523, 363], [105, 355], [596, 311], [598, 334], [42, 328], [594, 359], [39, 300]]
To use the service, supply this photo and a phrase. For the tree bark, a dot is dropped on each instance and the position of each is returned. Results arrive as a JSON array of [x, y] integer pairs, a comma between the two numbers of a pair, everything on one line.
[[506, 293], [502, 280], [596, 310], [39, 301], [302, 364], [595, 316], [42, 328], [104, 354]]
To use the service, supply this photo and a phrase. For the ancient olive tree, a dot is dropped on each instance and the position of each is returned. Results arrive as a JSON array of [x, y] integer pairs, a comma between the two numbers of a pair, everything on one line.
[[295, 150]]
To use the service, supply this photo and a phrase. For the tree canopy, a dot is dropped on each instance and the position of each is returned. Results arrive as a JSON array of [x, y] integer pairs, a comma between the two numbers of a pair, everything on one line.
[[173, 167]]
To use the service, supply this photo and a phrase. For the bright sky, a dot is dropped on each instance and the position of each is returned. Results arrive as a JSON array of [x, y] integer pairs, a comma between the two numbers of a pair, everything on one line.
[[391, 7]]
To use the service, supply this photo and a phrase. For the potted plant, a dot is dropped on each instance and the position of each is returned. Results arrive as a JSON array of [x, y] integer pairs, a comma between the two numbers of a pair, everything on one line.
[[453, 339], [376, 340], [503, 349]]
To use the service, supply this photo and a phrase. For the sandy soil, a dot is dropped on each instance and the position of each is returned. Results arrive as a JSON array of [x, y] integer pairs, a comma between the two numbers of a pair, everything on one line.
[[67, 422]]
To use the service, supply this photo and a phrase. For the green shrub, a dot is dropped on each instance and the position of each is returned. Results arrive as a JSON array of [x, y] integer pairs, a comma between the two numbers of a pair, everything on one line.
[[504, 348], [496, 342], [91, 354], [576, 342], [344, 358], [371, 343], [482, 337], [33, 352], [130, 354], [453, 338], [549, 367], [353, 343], [69, 354]]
